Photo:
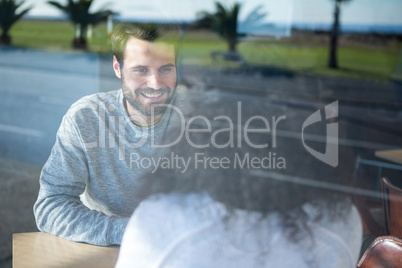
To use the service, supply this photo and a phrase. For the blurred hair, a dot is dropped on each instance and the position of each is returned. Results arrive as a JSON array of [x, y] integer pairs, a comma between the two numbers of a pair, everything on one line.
[[150, 32]]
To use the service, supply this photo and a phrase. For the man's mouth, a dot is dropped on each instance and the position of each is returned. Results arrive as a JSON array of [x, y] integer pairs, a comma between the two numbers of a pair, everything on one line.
[[152, 95]]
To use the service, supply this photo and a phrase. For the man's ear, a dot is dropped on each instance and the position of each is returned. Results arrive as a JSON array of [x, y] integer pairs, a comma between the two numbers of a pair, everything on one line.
[[116, 67]]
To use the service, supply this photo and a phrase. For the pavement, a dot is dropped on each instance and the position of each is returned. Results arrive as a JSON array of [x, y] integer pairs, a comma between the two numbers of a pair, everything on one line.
[[37, 87], [18, 192]]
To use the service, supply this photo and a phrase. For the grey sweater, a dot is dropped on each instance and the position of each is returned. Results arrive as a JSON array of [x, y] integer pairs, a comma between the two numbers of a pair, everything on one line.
[[89, 185]]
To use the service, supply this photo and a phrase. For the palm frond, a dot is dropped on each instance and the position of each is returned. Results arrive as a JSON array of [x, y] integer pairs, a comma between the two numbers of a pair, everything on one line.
[[223, 21], [9, 14], [78, 12], [21, 14], [58, 5]]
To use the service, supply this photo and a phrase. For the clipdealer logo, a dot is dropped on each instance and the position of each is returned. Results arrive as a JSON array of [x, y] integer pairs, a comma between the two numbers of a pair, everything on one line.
[[113, 133], [331, 155]]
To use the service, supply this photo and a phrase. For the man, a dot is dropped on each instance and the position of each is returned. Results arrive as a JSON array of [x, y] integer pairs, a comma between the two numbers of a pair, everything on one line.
[[89, 185]]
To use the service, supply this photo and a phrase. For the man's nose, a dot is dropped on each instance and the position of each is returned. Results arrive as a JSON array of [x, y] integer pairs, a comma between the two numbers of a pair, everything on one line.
[[154, 81]]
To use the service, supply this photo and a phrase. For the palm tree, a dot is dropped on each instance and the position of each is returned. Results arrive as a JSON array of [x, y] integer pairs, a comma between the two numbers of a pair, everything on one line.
[[224, 22], [8, 16], [333, 43], [78, 12]]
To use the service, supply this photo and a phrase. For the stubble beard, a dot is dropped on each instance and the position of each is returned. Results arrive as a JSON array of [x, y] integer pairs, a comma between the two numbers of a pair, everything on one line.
[[147, 110]]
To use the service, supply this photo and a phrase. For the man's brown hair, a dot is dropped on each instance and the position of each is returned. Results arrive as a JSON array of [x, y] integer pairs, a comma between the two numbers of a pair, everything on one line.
[[147, 32]]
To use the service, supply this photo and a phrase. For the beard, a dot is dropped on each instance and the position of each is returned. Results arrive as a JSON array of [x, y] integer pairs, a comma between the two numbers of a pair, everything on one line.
[[146, 109]]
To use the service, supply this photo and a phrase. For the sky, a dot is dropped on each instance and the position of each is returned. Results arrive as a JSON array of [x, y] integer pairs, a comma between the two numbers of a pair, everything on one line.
[[373, 12]]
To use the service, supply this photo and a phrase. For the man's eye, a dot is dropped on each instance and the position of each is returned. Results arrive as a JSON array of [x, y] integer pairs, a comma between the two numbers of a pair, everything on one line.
[[165, 69], [140, 71]]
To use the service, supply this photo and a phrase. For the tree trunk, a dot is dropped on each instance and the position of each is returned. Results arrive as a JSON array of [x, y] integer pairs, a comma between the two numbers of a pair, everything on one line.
[[5, 38], [333, 44], [232, 55], [232, 45], [79, 41], [83, 31]]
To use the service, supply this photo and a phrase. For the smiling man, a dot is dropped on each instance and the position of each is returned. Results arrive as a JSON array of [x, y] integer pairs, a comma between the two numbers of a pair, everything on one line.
[[148, 75], [88, 187]]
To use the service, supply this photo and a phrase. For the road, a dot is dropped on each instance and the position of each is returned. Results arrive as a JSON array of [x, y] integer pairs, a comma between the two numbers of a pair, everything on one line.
[[37, 88]]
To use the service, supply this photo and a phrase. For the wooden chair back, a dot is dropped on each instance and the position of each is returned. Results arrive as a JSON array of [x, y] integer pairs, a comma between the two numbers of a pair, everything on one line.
[[392, 202]]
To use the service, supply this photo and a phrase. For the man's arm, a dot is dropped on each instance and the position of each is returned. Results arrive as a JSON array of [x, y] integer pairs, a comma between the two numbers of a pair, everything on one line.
[[58, 209]]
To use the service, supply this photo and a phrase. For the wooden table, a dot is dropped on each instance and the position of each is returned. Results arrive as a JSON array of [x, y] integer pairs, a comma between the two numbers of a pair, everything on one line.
[[46, 250], [391, 155]]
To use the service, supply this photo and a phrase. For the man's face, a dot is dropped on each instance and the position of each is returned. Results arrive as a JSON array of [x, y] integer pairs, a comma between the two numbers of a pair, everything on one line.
[[148, 76]]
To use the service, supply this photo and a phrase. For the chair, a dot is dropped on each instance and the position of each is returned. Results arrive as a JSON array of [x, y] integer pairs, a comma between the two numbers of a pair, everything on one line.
[[392, 202], [384, 252], [377, 168], [367, 176]]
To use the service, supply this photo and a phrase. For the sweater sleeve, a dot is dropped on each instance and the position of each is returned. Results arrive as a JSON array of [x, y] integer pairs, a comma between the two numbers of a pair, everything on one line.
[[58, 209]]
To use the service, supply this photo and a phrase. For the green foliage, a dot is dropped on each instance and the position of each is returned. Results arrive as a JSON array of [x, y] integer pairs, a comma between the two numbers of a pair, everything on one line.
[[78, 12], [223, 21], [9, 15], [306, 54]]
